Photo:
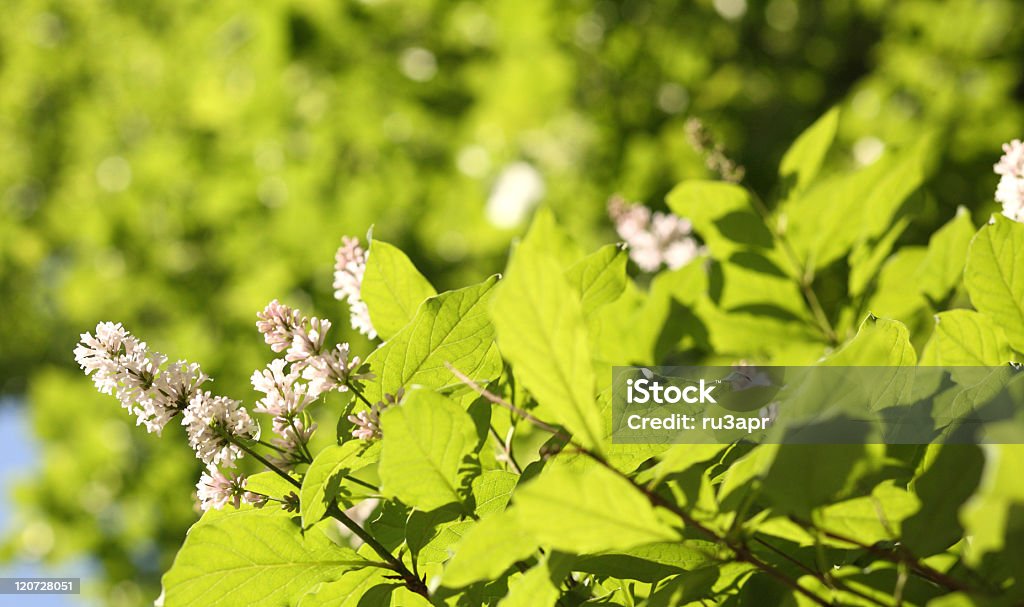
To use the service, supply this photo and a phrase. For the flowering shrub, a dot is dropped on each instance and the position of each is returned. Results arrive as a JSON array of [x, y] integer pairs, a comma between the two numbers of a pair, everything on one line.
[[472, 465]]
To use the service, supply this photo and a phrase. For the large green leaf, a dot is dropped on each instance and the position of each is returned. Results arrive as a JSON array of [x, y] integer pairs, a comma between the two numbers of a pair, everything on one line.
[[879, 342], [950, 479], [995, 276], [325, 480], [258, 558], [651, 562], [368, 587], [426, 441], [993, 516], [679, 458], [492, 490], [871, 518], [723, 214], [450, 328], [431, 535], [599, 278], [823, 473], [943, 267], [588, 511], [352, 589], [538, 587], [685, 588], [488, 549], [828, 219], [392, 288], [802, 161], [541, 331], [968, 338]]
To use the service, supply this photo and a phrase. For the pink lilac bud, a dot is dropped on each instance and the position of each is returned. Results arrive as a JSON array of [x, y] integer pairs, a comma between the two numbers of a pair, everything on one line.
[[349, 267]]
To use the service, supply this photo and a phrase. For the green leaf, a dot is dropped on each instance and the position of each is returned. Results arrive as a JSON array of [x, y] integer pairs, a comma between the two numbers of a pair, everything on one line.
[[588, 511], [539, 321], [685, 588], [868, 256], [993, 516], [943, 267], [966, 338], [879, 342], [430, 535], [492, 490], [554, 240], [426, 441], [325, 480], [392, 288], [802, 161], [651, 562], [352, 589], [252, 557], [994, 276], [722, 214], [823, 473], [828, 219], [872, 518], [949, 480], [679, 458], [538, 587], [487, 550], [450, 328], [599, 278]]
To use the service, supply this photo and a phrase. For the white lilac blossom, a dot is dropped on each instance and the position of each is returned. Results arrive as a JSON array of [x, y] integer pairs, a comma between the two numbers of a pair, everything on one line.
[[367, 422], [211, 421], [349, 267], [216, 489], [333, 370], [284, 328], [654, 238], [120, 364], [284, 396], [1010, 191], [285, 399]]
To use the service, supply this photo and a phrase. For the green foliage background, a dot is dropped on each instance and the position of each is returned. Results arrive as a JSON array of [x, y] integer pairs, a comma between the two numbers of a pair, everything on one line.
[[175, 166]]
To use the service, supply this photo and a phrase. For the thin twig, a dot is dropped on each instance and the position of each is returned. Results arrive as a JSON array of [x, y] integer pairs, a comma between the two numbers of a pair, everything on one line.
[[412, 582], [358, 394], [506, 449]]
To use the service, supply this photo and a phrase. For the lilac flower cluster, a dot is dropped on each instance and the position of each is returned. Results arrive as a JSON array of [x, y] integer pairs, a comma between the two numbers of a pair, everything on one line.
[[653, 238]]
